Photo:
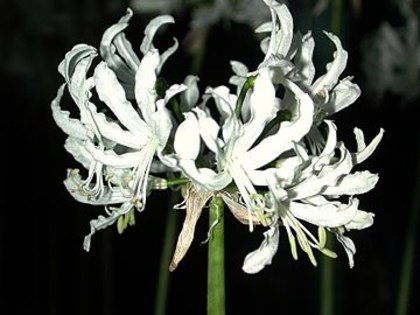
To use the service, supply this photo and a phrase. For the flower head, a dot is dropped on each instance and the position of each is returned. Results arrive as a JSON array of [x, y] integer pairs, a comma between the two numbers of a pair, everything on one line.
[[119, 144]]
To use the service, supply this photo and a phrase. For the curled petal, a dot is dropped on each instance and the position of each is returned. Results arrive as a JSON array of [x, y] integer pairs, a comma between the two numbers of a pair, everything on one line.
[[189, 97], [112, 39], [303, 58], [71, 126], [326, 215], [281, 39], [144, 89], [150, 31], [353, 184], [363, 151], [289, 132], [103, 222], [360, 221], [256, 261], [77, 149], [344, 94], [349, 247], [112, 94], [334, 68]]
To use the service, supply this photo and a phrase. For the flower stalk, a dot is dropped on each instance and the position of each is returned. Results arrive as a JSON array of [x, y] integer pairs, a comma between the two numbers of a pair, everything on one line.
[[216, 259]]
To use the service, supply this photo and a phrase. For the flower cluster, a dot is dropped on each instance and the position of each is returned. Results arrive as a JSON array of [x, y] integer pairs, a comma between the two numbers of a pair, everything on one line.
[[391, 59], [270, 149]]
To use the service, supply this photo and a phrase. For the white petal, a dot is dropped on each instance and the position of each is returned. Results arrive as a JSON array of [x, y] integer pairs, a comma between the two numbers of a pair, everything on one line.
[[71, 126], [112, 94], [162, 124], [110, 158], [343, 95], [113, 131], [108, 197], [77, 149], [256, 261], [363, 154], [327, 215], [361, 220], [103, 222], [187, 138], [150, 31], [144, 89], [349, 247], [353, 184], [334, 69], [209, 130], [190, 96], [124, 69], [204, 178], [263, 109], [289, 132], [281, 39], [328, 176], [303, 59]]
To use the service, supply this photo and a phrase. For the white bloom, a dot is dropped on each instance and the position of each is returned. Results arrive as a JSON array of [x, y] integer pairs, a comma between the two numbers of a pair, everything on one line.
[[391, 60], [310, 188], [117, 153], [234, 145]]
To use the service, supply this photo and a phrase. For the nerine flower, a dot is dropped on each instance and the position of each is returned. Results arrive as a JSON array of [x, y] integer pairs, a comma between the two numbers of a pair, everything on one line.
[[391, 59], [267, 147], [118, 145], [305, 183]]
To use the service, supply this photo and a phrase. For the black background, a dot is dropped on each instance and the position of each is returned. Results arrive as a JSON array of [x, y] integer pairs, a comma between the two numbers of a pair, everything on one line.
[[43, 267]]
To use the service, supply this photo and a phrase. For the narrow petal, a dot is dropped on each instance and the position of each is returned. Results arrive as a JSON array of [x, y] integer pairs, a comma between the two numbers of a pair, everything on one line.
[[353, 184], [77, 149], [110, 158], [328, 215], [209, 130], [334, 68], [71, 126], [256, 261], [108, 50], [304, 56], [281, 39], [108, 196], [328, 176], [103, 222], [112, 94], [289, 132], [343, 95], [189, 97], [360, 221], [363, 154], [204, 178], [349, 247], [145, 91], [150, 31], [262, 107], [113, 131]]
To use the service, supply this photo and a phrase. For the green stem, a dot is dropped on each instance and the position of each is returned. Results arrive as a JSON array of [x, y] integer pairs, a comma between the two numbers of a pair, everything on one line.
[[167, 250], [249, 83], [327, 282], [337, 9], [407, 264], [216, 260], [327, 270]]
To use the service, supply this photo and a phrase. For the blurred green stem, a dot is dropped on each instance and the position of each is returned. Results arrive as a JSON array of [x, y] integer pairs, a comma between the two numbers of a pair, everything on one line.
[[167, 250], [327, 270], [407, 264], [327, 274], [216, 259], [336, 11]]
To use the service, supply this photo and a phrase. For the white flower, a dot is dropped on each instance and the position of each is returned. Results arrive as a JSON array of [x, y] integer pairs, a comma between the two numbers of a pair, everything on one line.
[[237, 153], [391, 60], [117, 149], [310, 188]]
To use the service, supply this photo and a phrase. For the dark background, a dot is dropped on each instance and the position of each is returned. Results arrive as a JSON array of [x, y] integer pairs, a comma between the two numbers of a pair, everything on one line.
[[43, 267]]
